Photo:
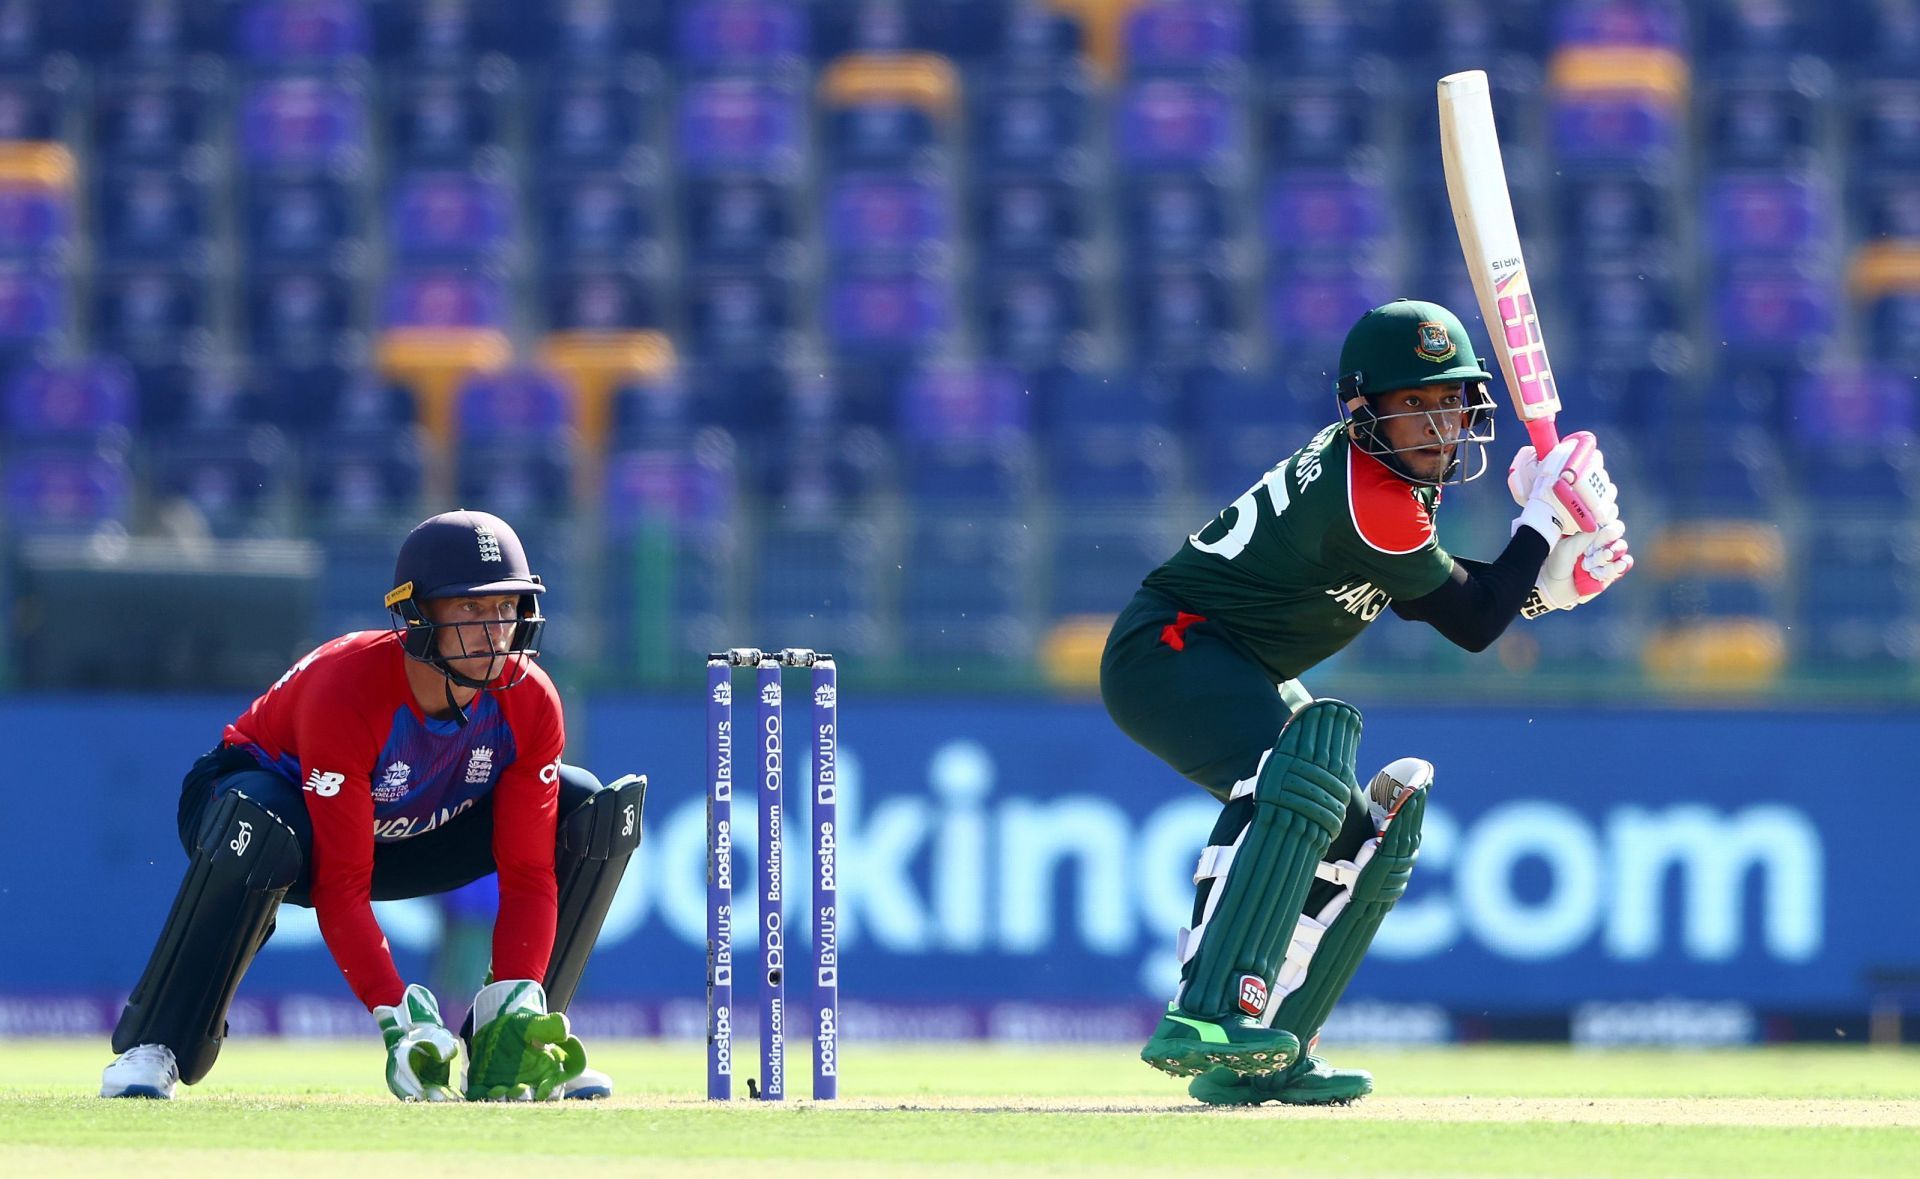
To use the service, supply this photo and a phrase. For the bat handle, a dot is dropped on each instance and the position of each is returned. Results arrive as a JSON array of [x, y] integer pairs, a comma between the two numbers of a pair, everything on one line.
[[1543, 434]]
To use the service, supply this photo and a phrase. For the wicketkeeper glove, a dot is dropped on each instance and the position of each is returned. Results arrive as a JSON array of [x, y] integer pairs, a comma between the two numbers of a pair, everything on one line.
[[420, 1050], [1579, 569], [521, 1051]]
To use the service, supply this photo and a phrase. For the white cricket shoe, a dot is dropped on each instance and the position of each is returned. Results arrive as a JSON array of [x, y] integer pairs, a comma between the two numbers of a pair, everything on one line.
[[590, 1085], [145, 1070]]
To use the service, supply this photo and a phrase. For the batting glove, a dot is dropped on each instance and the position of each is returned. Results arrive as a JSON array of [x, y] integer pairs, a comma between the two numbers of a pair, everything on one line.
[[1566, 492], [1579, 569]]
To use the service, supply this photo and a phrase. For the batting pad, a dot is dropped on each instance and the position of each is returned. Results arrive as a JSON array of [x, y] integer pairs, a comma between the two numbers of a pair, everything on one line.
[[1329, 948], [1257, 885]]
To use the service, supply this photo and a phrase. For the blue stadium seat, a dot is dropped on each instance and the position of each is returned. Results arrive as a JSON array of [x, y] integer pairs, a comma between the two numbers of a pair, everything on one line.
[[592, 121], [967, 588], [1883, 119], [157, 34], [1179, 218], [310, 399], [1186, 37], [600, 297], [740, 36], [1628, 214], [595, 32], [444, 298], [823, 472], [1330, 213], [1863, 405], [1099, 557], [1114, 464], [150, 119], [596, 216], [969, 476], [1031, 317], [887, 216], [302, 33], [1722, 474], [151, 312], [449, 217], [1769, 311], [236, 478], [889, 313], [1764, 122], [739, 315], [740, 220], [953, 402], [441, 120], [1769, 215], [1242, 423], [147, 214], [1036, 127], [200, 397], [884, 135], [518, 478], [1606, 130], [753, 399], [1081, 398], [1029, 220], [821, 584], [1751, 37], [1623, 310], [1180, 126], [1856, 476], [301, 219], [517, 403], [303, 125], [1318, 38], [731, 126], [1315, 125], [1178, 314], [297, 312], [64, 492], [30, 109], [1312, 306], [1891, 325], [444, 34], [1885, 205]]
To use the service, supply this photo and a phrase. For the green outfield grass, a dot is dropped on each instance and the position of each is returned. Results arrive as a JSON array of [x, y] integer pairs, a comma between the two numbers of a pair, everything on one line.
[[300, 1109]]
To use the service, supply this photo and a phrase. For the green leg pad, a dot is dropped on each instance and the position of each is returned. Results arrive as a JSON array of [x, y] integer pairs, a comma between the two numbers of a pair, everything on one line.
[[1300, 800], [1381, 883]]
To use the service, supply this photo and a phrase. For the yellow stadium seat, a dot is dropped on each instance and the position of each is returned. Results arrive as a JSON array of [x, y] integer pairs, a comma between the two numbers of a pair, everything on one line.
[[596, 364], [1719, 548], [26, 162], [1620, 69], [1729, 656], [1885, 268], [925, 80], [1105, 22], [433, 361], [1070, 651]]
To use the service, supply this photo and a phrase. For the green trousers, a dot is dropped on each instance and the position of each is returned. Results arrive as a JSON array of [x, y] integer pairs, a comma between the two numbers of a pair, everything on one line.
[[1186, 693]]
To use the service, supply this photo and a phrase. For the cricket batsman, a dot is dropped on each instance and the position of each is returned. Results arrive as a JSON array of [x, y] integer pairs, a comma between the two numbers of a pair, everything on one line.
[[397, 763], [1202, 668]]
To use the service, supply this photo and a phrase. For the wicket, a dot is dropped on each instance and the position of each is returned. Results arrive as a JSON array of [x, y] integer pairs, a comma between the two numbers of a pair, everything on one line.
[[769, 762]]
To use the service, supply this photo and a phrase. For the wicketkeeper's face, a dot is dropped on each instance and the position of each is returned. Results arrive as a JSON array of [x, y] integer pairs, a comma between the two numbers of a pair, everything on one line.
[[475, 633]]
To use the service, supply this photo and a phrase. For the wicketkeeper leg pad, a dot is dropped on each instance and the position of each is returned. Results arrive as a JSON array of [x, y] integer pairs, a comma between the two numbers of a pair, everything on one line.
[[595, 842], [1329, 945], [1254, 882], [241, 866]]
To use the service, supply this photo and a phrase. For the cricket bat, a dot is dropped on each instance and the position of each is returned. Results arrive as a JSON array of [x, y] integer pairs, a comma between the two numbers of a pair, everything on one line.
[[1483, 216]]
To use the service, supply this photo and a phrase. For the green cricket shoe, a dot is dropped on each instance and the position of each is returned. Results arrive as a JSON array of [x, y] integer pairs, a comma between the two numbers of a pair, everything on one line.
[[1309, 1081], [1187, 1045]]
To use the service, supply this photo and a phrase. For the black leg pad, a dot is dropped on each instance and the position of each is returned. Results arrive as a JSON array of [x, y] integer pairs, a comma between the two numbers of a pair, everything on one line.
[[241, 866], [596, 841]]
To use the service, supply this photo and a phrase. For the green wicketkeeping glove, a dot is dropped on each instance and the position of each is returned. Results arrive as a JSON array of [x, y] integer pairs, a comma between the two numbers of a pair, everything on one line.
[[521, 1051], [420, 1050]]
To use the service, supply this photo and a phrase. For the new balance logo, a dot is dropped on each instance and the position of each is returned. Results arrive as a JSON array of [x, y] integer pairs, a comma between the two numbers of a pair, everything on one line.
[[324, 784]]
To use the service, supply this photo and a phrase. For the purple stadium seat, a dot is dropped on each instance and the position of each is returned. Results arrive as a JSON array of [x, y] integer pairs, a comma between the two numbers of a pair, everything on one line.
[[686, 485], [1773, 310], [302, 123], [1648, 23], [441, 298], [49, 401], [1762, 215], [1612, 128], [450, 216], [65, 492], [892, 311], [1854, 405], [1185, 35], [1178, 125], [514, 403], [886, 215], [1327, 212], [746, 35], [962, 401], [1311, 308], [291, 32], [34, 222], [735, 125], [33, 304]]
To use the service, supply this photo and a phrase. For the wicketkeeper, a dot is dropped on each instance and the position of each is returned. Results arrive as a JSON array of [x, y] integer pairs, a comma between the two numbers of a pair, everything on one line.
[[390, 764], [1202, 668]]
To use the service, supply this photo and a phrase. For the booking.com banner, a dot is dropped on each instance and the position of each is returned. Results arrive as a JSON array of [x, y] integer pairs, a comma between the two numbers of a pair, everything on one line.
[[1024, 852]]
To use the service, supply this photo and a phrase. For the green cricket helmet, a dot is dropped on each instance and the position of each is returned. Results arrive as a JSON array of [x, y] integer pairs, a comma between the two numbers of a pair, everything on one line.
[[1402, 345]]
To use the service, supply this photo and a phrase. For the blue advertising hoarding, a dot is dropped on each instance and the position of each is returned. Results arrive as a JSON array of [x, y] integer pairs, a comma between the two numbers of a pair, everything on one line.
[[996, 851]]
